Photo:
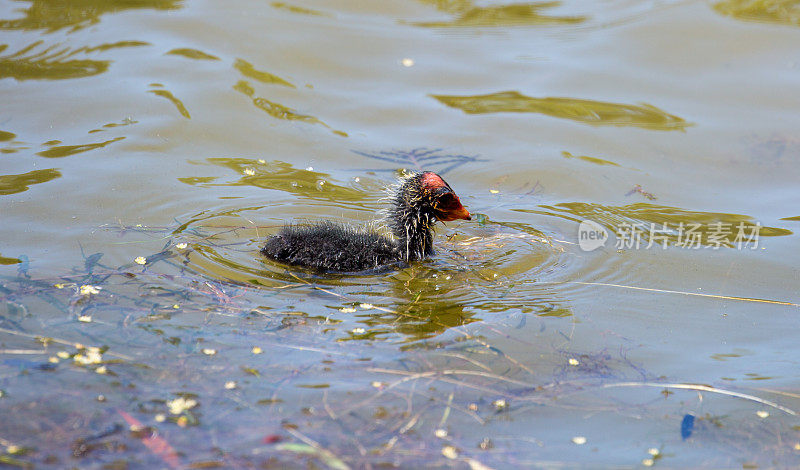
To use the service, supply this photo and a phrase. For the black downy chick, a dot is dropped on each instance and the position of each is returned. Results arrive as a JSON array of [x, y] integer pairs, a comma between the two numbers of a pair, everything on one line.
[[420, 200]]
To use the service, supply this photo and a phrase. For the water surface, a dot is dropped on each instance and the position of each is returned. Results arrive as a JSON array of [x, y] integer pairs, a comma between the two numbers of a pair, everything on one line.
[[149, 147]]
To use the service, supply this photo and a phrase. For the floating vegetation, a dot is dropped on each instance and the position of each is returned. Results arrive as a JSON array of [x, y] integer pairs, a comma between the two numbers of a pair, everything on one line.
[[637, 189], [184, 354]]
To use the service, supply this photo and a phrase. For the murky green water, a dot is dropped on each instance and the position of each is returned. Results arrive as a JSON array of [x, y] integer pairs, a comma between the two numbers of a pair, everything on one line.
[[147, 148]]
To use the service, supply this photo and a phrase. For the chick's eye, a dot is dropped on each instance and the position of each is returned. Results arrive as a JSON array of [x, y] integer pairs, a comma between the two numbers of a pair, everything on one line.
[[447, 200]]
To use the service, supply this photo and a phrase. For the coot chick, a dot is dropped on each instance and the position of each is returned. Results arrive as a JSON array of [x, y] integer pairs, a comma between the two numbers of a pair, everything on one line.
[[418, 202]]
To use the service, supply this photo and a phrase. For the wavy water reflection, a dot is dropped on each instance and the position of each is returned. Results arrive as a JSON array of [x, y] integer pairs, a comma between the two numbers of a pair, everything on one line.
[[166, 94], [467, 14], [765, 11], [586, 158], [77, 14], [194, 54], [468, 278], [272, 108], [61, 151], [246, 68], [48, 64], [56, 62], [279, 176], [598, 113], [417, 302], [12, 184], [296, 9]]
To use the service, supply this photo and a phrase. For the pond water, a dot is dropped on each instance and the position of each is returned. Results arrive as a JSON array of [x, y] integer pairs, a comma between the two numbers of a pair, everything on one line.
[[147, 149]]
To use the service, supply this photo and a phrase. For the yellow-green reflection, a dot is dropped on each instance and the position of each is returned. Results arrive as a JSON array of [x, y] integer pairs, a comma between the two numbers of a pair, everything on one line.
[[55, 62], [275, 110], [707, 228], [113, 45], [429, 316], [280, 176], [67, 150], [472, 277], [52, 15], [12, 184], [172, 99], [467, 14], [190, 53], [424, 305], [247, 69], [6, 136], [125, 122], [296, 9], [767, 11], [591, 112], [425, 302], [595, 160], [48, 64], [9, 261]]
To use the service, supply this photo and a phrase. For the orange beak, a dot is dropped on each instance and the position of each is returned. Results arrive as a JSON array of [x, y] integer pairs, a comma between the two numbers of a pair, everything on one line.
[[460, 213]]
